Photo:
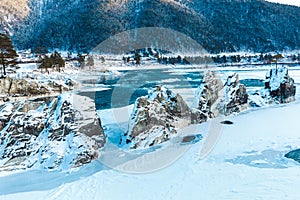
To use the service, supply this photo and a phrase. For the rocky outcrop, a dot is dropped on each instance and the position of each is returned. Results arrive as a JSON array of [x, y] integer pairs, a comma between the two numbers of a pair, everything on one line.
[[156, 117], [214, 98], [279, 88], [208, 94], [12, 86], [159, 115], [280, 85], [53, 133], [236, 97]]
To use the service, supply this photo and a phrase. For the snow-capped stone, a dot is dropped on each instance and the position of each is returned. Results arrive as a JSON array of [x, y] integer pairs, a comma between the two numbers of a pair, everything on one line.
[[236, 97], [156, 117], [52, 133], [261, 98], [208, 94], [281, 86], [21, 86], [214, 98]]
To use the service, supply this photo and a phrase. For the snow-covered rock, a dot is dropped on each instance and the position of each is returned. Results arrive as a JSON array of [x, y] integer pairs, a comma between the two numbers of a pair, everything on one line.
[[214, 98], [156, 117], [279, 88], [208, 94], [31, 86], [261, 98], [52, 133], [236, 97]]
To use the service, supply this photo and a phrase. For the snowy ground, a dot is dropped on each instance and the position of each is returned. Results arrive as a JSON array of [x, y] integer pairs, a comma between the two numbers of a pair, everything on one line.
[[247, 163]]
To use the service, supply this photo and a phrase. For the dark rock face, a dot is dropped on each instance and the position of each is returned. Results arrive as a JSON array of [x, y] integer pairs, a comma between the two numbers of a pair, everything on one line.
[[280, 85], [53, 135], [157, 117], [197, 116], [295, 155]]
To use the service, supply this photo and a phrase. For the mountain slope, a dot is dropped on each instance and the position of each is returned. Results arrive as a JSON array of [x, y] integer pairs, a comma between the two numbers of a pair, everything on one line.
[[11, 12], [217, 25], [254, 24]]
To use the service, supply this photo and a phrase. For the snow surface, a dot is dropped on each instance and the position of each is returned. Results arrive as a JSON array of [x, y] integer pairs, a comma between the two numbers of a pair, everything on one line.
[[247, 163]]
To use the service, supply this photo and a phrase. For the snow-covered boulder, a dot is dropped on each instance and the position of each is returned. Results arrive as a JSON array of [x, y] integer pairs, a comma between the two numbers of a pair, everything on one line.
[[236, 97], [279, 88], [261, 98], [156, 117], [53, 133], [280, 85], [208, 94], [214, 98]]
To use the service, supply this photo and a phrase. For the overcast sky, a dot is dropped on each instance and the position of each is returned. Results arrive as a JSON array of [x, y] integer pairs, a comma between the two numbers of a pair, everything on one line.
[[291, 2]]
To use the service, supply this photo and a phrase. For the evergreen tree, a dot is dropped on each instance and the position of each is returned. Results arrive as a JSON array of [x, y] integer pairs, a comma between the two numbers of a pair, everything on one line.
[[40, 50], [8, 54], [46, 63], [80, 59], [58, 61], [224, 59], [137, 58]]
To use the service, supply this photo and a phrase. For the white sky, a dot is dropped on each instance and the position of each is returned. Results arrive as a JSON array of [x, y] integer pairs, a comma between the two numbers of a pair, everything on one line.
[[291, 2]]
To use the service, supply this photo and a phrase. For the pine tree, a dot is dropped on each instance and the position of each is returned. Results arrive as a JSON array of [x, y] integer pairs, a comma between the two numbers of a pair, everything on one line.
[[57, 60], [8, 54], [137, 58], [46, 63], [80, 59], [40, 50]]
